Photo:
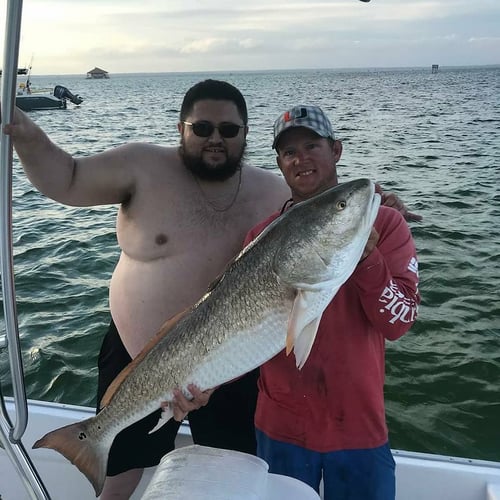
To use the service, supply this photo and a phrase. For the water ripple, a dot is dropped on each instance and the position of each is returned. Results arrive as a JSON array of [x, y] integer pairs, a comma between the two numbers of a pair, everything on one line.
[[431, 138]]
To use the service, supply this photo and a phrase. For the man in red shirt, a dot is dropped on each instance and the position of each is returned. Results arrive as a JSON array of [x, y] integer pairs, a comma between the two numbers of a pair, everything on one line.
[[327, 420]]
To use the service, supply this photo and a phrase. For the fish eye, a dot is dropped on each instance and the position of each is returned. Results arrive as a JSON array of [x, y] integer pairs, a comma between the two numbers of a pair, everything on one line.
[[341, 204]]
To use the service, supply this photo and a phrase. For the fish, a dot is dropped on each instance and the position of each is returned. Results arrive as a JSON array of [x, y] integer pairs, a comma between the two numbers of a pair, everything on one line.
[[272, 294]]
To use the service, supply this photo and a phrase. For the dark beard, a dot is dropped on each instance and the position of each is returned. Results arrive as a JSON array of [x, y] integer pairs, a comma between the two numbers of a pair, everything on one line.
[[200, 169]]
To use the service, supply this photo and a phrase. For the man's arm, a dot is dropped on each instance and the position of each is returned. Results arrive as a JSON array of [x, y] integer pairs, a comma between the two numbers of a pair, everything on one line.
[[104, 178], [387, 278], [392, 200]]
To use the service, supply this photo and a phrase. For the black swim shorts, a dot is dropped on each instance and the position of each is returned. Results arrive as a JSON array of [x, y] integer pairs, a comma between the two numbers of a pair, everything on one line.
[[133, 447]]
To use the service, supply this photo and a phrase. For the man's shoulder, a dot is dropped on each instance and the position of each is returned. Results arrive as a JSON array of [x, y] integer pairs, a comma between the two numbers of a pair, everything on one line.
[[147, 158], [389, 219], [389, 213], [260, 171], [147, 147], [265, 179], [258, 228]]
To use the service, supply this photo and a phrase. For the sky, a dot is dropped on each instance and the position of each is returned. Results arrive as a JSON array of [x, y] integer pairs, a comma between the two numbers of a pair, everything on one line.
[[124, 36]]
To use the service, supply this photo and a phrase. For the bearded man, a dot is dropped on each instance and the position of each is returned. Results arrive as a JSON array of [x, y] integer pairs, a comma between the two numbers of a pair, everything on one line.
[[184, 213]]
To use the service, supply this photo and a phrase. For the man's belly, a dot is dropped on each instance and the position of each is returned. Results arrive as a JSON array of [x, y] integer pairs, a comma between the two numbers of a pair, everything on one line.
[[143, 295]]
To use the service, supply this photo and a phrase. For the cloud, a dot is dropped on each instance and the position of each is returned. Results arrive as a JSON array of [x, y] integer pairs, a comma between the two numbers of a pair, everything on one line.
[[483, 39], [191, 35], [249, 43], [203, 46]]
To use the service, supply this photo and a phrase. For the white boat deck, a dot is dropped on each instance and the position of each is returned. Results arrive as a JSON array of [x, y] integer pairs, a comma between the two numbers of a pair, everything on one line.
[[420, 476]]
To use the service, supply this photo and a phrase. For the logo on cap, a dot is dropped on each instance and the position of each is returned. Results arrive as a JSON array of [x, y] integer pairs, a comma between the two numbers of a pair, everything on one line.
[[311, 117]]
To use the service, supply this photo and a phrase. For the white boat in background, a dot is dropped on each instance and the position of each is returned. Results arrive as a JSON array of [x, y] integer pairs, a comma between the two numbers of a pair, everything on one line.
[[20, 71], [29, 99], [419, 476]]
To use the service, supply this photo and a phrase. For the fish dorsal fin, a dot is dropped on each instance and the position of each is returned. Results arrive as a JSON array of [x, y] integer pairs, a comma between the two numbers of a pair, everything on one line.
[[303, 324], [166, 327]]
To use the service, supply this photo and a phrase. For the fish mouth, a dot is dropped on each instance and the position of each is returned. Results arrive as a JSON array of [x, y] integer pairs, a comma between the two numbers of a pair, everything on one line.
[[374, 206]]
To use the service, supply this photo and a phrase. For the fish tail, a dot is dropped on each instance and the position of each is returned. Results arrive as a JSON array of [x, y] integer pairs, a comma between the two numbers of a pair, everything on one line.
[[87, 452]]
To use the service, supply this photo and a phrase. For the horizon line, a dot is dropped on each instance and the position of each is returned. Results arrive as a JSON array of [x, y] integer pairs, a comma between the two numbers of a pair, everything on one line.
[[349, 68]]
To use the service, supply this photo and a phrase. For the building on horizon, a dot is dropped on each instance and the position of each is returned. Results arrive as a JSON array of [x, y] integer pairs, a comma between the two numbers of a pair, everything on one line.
[[97, 73]]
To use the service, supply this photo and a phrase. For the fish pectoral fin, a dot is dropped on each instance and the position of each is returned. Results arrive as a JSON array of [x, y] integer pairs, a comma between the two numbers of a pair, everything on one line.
[[303, 324], [295, 322], [304, 342], [166, 415]]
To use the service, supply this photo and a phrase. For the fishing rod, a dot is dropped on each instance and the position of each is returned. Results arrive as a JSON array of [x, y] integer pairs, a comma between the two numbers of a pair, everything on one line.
[[10, 435]]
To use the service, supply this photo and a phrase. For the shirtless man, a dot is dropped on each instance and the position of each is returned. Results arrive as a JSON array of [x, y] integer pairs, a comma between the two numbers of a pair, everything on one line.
[[184, 213]]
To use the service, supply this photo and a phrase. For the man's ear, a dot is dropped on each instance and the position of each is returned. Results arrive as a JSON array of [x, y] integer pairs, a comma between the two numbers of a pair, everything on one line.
[[278, 162], [337, 150], [180, 127]]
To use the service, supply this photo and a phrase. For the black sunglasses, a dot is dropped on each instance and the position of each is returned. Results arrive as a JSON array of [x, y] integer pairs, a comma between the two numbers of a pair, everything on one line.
[[206, 129]]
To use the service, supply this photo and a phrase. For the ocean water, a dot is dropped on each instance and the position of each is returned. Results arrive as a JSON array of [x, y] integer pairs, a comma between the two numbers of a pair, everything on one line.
[[432, 138]]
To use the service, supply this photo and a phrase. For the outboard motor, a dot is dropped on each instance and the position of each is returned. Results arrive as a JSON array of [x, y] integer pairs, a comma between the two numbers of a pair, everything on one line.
[[63, 93]]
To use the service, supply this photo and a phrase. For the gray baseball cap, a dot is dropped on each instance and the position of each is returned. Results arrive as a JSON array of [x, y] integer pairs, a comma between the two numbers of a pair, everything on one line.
[[311, 117]]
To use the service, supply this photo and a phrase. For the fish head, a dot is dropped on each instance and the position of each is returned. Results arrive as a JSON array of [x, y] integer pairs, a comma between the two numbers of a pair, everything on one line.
[[324, 237]]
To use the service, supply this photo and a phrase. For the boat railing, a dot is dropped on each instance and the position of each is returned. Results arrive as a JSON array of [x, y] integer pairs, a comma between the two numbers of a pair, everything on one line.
[[11, 434]]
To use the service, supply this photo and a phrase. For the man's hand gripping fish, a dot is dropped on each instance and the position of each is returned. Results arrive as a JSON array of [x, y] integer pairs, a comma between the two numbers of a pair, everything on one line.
[[271, 296]]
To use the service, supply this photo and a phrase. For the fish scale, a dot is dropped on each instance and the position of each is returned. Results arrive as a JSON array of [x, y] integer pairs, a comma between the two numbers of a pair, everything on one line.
[[302, 258]]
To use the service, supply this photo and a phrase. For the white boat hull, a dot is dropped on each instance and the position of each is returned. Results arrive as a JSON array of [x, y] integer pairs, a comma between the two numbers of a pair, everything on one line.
[[419, 476], [61, 479], [37, 102]]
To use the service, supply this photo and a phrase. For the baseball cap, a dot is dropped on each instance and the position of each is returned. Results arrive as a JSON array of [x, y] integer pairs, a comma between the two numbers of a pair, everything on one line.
[[311, 117]]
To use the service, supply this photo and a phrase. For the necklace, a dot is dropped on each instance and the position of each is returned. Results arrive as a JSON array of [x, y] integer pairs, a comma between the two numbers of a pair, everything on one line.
[[286, 205], [215, 206]]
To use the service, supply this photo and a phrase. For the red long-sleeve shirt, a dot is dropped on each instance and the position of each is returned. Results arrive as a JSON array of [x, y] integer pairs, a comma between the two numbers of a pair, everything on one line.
[[336, 401]]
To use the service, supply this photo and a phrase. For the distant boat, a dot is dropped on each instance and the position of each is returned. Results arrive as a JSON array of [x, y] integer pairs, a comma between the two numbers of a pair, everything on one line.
[[32, 100], [20, 71]]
